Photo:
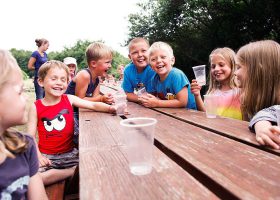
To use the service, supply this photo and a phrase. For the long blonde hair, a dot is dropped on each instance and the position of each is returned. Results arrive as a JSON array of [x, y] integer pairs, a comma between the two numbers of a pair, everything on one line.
[[12, 141], [261, 88], [228, 54]]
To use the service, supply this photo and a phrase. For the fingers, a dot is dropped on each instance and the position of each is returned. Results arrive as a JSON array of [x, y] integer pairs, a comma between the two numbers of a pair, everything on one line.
[[270, 138]]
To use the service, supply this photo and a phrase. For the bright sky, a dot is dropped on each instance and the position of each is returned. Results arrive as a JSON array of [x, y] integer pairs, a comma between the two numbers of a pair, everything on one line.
[[63, 22]]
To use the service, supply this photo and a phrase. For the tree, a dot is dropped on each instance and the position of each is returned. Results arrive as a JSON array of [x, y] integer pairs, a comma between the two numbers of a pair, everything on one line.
[[77, 51], [195, 27]]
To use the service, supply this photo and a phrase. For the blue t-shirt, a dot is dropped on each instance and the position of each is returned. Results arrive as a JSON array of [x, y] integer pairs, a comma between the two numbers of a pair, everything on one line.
[[133, 80], [174, 83], [39, 61], [16, 173]]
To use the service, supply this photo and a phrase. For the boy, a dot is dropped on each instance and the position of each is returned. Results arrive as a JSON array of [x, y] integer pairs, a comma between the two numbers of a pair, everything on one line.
[[138, 74], [86, 82], [53, 117], [170, 85]]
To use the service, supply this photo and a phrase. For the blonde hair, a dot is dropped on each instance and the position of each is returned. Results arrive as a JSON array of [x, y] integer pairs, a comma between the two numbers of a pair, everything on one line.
[[228, 55], [136, 40], [98, 50], [44, 69], [11, 140], [161, 46], [261, 87]]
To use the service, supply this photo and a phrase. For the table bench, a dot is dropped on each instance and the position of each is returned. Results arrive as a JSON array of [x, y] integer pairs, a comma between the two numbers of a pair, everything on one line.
[[194, 158]]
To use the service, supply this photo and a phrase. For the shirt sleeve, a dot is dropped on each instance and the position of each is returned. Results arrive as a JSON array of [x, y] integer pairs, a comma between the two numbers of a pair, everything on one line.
[[32, 156], [267, 114], [179, 81], [126, 85]]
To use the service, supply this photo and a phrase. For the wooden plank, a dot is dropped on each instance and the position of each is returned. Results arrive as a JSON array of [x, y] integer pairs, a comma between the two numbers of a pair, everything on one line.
[[232, 128], [244, 171], [104, 172]]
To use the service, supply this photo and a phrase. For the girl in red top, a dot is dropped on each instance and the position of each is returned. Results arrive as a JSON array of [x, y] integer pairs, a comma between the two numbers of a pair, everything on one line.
[[53, 117]]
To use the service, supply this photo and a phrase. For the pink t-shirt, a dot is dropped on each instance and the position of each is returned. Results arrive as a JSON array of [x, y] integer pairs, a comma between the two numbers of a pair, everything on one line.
[[229, 103]]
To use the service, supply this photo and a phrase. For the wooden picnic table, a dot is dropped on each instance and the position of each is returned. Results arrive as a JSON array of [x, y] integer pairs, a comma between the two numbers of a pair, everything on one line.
[[194, 158]]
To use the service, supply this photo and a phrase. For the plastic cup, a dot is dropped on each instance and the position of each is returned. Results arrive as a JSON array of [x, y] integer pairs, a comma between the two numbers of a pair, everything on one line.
[[120, 102], [138, 137], [200, 75], [210, 103], [278, 115]]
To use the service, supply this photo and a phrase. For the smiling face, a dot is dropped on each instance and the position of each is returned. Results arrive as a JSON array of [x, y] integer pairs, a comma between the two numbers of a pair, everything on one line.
[[240, 73], [101, 66], [13, 112], [138, 53], [161, 62], [220, 68], [55, 82]]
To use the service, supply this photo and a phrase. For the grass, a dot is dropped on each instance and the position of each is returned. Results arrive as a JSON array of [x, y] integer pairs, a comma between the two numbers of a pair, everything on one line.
[[29, 91]]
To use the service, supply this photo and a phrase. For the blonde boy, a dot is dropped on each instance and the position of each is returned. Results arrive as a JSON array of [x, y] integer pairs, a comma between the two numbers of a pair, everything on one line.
[[137, 74], [170, 86]]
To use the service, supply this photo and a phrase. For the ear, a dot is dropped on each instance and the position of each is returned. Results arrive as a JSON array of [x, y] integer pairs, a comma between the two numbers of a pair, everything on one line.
[[172, 60], [40, 82], [129, 56], [92, 64]]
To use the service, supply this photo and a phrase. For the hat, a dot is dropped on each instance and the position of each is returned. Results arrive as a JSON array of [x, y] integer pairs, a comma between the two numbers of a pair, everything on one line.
[[69, 60]]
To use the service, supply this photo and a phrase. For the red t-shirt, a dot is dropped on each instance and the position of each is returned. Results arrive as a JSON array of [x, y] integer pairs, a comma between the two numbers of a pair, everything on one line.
[[55, 126]]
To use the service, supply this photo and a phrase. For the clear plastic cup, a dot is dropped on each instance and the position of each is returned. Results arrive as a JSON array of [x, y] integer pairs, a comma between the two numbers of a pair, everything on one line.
[[278, 114], [210, 103], [138, 137], [200, 74]]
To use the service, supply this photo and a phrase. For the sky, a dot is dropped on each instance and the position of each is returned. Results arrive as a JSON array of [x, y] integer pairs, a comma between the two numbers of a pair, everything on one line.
[[63, 22]]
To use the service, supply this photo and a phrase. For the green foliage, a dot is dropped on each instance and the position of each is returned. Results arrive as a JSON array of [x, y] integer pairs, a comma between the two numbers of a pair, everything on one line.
[[195, 27], [77, 51], [22, 58]]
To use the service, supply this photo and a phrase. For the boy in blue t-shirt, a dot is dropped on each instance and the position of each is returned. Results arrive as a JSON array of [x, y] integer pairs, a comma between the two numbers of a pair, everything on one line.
[[137, 74], [169, 83]]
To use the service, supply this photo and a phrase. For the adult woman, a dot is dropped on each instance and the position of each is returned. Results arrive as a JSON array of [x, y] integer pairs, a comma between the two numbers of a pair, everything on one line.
[[38, 58]]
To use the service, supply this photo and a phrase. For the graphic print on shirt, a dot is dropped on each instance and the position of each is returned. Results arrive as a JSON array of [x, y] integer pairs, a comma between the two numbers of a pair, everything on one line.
[[19, 184], [57, 123]]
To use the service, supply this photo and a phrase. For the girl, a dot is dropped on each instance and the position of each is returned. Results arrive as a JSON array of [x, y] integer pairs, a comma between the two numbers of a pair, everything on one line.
[[53, 118], [38, 58], [18, 157], [222, 83], [258, 70]]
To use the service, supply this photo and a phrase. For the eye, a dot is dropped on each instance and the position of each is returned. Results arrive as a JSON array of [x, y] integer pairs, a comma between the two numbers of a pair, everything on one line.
[[48, 126], [59, 123]]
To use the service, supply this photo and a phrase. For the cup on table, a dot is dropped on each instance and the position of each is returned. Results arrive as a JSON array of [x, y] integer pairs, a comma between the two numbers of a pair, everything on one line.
[[138, 137], [210, 103], [120, 102], [278, 115], [200, 75]]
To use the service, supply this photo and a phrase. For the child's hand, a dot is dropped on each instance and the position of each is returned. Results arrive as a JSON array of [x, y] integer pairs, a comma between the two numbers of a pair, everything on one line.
[[43, 161], [149, 101], [195, 88], [108, 98], [268, 135]]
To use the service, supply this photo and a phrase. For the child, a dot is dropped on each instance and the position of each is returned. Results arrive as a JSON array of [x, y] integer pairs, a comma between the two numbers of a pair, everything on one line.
[[169, 83], [86, 83], [120, 71], [38, 58], [222, 83], [53, 117], [258, 69], [72, 65], [18, 158], [138, 74]]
